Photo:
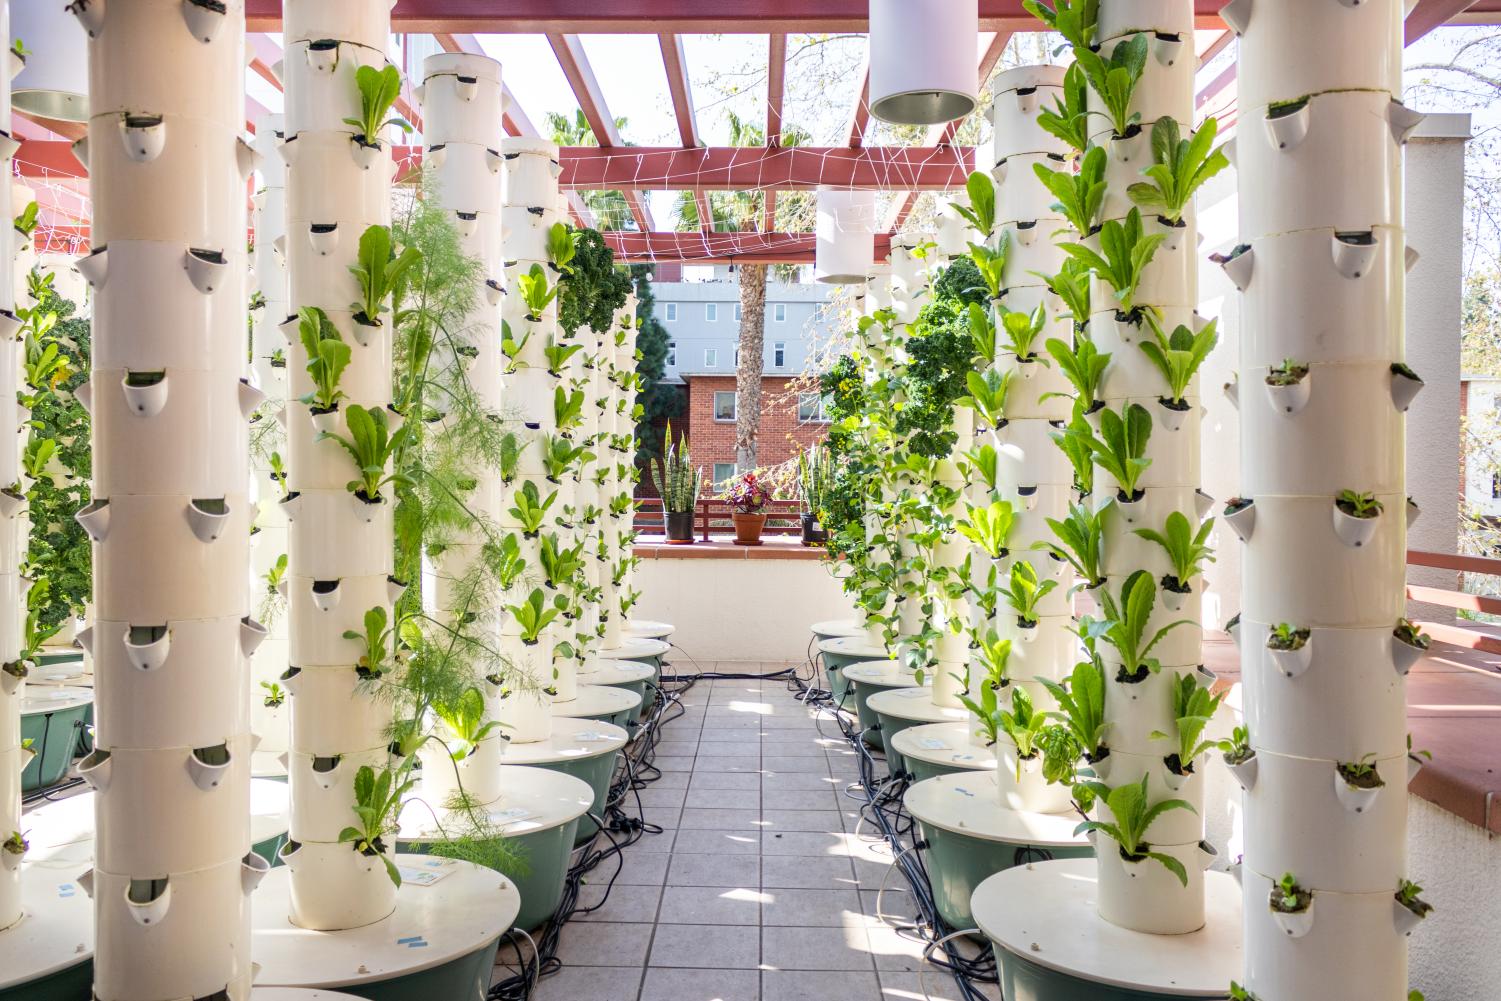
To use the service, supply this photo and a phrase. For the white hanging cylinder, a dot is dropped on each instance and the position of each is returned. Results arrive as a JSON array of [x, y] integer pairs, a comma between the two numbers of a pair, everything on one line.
[[922, 60]]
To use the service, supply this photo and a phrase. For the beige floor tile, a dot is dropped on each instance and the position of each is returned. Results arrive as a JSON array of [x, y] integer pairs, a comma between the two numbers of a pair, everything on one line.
[[815, 949], [706, 947], [718, 843], [597, 983], [812, 908], [844, 985], [710, 905], [604, 943], [621, 902], [699, 985]]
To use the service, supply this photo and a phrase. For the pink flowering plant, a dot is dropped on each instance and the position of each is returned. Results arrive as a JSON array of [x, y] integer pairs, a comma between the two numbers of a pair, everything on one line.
[[748, 493]]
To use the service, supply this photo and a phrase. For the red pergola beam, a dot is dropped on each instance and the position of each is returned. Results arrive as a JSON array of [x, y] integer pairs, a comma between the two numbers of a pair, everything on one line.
[[569, 49], [723, 248], [860, 116], [1429, 14], [688, 17], [776, 89], [675, 61], [750, 168], [717, 168]]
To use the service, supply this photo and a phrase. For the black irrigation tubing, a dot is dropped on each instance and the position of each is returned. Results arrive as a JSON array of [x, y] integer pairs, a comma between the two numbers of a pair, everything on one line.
[[618, 829], [883, 809]]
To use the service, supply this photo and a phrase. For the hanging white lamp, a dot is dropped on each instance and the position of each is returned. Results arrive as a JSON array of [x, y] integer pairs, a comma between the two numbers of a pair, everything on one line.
[[55, 80], [922, 60], [845, 236]]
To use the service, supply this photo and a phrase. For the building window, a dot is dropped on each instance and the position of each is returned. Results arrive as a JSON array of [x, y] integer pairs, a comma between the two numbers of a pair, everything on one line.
[[724, 472], [779, 354], [1496, 486], [711, 312], [724, 405], [711, 358], [810, 409], [672, 312], [737, 358], [779, 312], [672, 352], [737, 312]]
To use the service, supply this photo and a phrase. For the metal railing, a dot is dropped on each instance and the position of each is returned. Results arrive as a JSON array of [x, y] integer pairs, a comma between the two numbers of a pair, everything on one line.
[[712, 515]]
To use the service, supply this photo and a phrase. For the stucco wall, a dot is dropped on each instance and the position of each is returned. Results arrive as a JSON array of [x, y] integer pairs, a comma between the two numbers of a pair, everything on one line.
[[741, 610]]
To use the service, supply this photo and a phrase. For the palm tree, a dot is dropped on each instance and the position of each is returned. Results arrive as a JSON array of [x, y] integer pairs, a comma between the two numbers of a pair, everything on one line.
[[608, 207], [740, 211]]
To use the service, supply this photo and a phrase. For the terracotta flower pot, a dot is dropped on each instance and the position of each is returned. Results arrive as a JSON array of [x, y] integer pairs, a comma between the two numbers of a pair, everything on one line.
[[748, 528]]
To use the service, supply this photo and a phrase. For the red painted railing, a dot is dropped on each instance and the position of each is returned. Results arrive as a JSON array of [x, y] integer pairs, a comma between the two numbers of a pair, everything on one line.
[[1457, 634], [712, 515]]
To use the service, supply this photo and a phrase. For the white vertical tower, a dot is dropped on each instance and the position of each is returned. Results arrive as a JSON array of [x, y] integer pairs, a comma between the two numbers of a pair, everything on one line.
[[1322, 272], [461, 104], [270, 713], [1032, 475], [339, 548], [529, 210], [171, 638], [14, 529], [1147, 896]]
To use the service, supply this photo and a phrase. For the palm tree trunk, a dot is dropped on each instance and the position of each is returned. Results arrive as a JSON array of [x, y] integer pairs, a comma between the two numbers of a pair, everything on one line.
[[748, 372]]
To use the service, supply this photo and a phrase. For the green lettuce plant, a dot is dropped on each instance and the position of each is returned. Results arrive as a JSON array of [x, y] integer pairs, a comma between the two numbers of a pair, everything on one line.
[[371, 444], [989, 527], [533, 615], [1186, 549], [1114, 80], [379, 89], [1081, 697], [377, 643], [991, 263], [1133, 814], [1080, 543], [1073, 442], [1193, 707], [1179, 168], [1125, 251], [1178, 356], [530, 508], [1121, 446], [1080, 195], [1068, 118], [536, 292], [562, 245], [980, 212], [987, 395], [1071, 284], [1024, 591], [1022, 330], [464, 718], [379, 270], [377, 804], [1024, 724], [1124, 627], [1075, 20], [1084, 367], [328, 357]]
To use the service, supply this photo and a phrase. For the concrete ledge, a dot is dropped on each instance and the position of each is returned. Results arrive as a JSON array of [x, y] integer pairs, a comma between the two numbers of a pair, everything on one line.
[[773, 547]]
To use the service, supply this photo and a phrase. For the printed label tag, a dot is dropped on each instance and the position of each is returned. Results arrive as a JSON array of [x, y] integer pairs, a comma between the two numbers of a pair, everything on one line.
[[932, 744], [425, 873], [589, 736]]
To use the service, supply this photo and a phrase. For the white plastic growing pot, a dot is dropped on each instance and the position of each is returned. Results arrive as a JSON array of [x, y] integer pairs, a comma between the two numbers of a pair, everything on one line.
[[1027, 455], [323, 238], [185, 329], [1145, 896], [179, 943], [1355, 798], [207, 579], [1126, 552], [1292, 663], [319, 81], [1405, 389], [1289, 400], [1130, 373], [366, 22], [470, 178], [323, 184], [208, 517], [1292, 807], [206, 828], [1404, 655], [1018, 193], [1290, 715], [1352, 531], [1175, 827], [178, 423], [1030, 793], [206, 269], [360, 722], [1167, 85], [335, 887], [531, 171], [461, 98], [1319, 450], [195, 174], [317, 632], [1020, 94], [1343, 924], [1280, 57], [1344, 174], [1334, 585], [326, 541], [1246, 772]]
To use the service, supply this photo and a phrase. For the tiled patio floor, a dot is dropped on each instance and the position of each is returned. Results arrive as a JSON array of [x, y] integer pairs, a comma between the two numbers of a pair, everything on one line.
[[759, 888]]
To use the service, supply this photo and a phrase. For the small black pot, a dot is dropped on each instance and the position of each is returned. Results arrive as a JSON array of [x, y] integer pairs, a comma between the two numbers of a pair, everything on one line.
[[814, 534], [680, 527]]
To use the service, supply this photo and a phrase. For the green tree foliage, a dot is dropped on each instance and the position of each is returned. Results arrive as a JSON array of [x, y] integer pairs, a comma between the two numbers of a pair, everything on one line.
[[58, 546], [659, 402], [941, 355]]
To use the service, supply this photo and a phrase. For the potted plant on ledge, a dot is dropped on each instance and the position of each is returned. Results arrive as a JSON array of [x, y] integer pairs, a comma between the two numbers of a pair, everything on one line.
[[678, 484], [748, 495], [815, 478]]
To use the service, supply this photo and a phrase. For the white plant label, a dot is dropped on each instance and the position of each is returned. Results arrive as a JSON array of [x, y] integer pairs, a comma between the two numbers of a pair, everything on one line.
[[425, 874], [932, 744], [916, 693], [590, 736]]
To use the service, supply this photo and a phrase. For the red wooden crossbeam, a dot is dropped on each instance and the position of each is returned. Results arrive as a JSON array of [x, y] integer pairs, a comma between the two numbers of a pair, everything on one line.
[[724, 248]]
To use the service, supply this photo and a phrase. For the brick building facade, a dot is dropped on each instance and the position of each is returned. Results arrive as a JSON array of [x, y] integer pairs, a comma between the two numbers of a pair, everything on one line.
[[790, 422]]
